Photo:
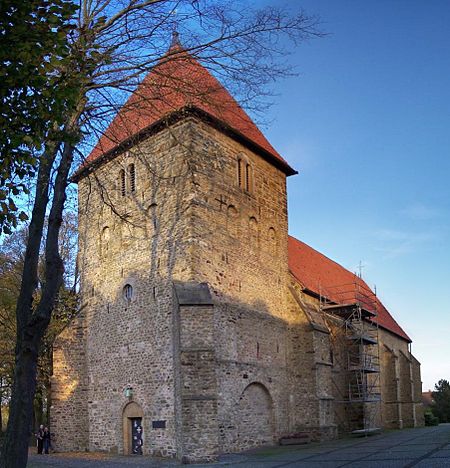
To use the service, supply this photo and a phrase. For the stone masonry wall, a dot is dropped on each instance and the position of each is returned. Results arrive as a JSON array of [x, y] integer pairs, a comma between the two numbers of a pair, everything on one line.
[[418, 409], [138, 238], [236, 248], [401, 386], [391, 407], [197, 373], [398, 380], [311, 393], [251, 363], [240, 245], [69, 422], [406, 390]]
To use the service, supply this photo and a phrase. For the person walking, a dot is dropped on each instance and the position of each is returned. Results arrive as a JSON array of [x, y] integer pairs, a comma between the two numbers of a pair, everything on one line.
[[40, 439], [47, 440]]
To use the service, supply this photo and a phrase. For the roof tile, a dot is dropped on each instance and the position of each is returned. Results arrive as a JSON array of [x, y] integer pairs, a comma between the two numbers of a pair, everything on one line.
[[177, 82], [317, 273]]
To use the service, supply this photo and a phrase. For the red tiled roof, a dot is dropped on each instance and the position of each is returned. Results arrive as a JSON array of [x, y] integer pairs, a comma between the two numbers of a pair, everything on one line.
[[320, 275], [179, 82], [427, 398]]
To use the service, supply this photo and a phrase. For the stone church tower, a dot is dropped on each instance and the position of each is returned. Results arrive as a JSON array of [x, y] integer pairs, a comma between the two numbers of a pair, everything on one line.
[[194, 336]]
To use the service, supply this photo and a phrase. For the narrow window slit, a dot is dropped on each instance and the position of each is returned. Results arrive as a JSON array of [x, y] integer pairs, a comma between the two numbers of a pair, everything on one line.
[[132, 174], [239, 168], [248, 177], [123, 188]]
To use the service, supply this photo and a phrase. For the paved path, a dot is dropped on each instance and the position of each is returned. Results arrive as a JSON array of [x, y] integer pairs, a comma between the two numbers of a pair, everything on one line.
[[427, 447]]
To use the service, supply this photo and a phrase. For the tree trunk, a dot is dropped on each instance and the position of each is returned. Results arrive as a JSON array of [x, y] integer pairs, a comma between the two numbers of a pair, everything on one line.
[[15, 447], [31, 326]]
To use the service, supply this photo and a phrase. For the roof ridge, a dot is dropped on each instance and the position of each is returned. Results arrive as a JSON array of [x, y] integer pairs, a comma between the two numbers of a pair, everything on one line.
[[311, 267], [330, 259]]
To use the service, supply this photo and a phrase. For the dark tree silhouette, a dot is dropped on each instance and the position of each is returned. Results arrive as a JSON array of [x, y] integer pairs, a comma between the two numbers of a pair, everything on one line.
[[441, 401]]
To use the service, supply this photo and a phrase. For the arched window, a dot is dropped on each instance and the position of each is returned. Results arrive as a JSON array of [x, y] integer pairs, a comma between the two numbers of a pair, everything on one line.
[[104, 241], [248, 178], [272, 234], [244, 174], [232, 212], [128, 292], [123, 186], [272, 241], [132, 176], [153, 218], [240, 173], [127, 180]]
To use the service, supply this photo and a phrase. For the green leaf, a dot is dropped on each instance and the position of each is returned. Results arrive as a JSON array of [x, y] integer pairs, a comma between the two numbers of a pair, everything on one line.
[[23, 216]]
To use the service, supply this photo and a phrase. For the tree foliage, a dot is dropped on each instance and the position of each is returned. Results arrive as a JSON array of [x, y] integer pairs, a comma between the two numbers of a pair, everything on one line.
[[11, 264], [9, 290], [441, 401], [34, 45]]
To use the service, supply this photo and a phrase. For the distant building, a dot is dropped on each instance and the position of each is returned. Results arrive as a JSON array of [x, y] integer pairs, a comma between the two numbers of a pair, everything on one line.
[[204, 328], [427, 399]]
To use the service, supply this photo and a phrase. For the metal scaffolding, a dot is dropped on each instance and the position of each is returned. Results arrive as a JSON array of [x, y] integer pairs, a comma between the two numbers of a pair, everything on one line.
[[349, 310]]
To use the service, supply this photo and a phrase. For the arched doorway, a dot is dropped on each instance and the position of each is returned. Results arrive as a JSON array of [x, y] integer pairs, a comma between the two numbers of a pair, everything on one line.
[[133, 432], [256, 420]]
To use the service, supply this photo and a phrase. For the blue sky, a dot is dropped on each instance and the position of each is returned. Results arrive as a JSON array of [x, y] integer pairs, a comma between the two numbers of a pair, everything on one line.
[[366, 124]]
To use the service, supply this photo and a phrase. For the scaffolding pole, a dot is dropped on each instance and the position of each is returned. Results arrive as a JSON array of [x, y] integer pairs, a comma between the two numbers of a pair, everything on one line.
[[349, 310]]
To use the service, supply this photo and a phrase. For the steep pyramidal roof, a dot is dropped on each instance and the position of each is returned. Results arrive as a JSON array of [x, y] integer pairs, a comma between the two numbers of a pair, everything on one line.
[[320, 275], [179, 85]]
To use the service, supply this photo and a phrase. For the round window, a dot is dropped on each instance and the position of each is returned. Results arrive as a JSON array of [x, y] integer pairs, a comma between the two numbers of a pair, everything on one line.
[[128, 292]]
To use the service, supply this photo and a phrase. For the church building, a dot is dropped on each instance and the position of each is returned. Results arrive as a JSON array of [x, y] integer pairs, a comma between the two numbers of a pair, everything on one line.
[[204, 328]]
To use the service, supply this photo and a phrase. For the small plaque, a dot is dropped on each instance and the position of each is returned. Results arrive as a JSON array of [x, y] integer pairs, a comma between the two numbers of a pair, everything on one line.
[[158, 424]]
